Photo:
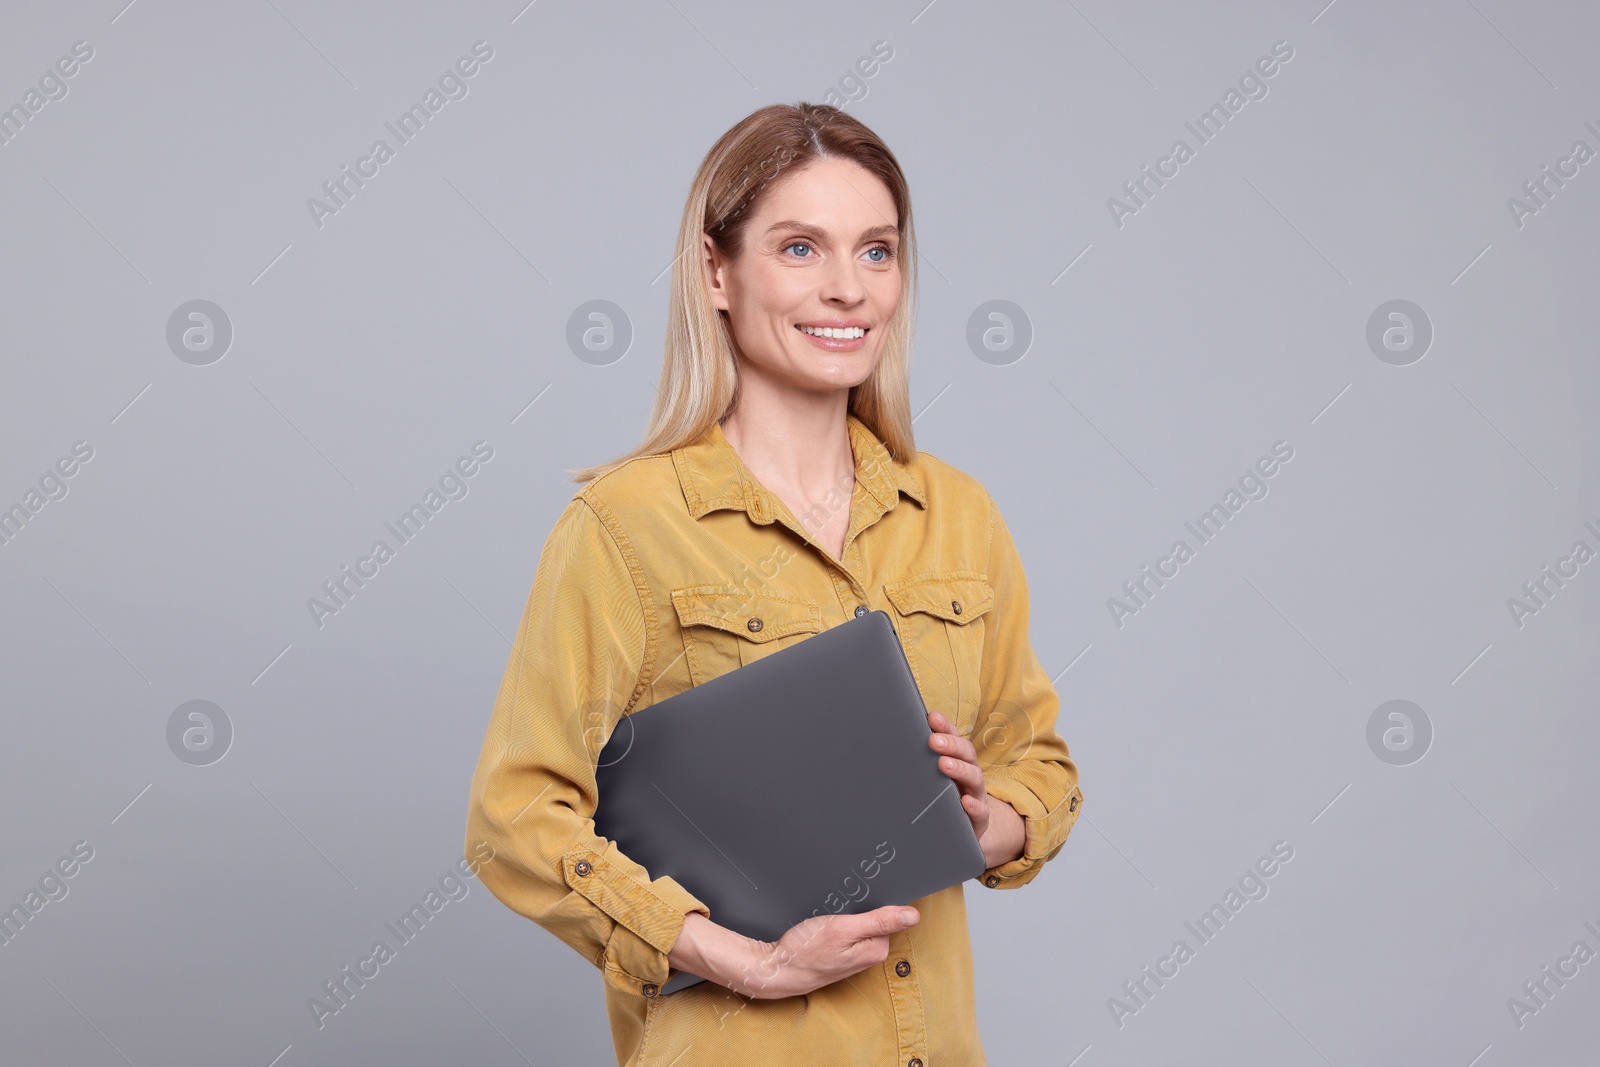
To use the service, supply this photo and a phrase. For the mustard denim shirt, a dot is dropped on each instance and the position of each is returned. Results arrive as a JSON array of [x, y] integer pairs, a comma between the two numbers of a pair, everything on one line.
[[649, 584]]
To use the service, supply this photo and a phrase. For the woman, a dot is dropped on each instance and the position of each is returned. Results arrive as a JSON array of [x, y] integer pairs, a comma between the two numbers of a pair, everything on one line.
[[777, 493]]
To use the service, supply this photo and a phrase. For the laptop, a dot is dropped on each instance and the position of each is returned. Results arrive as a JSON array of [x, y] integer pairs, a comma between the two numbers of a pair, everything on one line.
[[797, 785]]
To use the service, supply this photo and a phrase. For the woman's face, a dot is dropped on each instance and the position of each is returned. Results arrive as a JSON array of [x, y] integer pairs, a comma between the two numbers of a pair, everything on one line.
[[821, 252]]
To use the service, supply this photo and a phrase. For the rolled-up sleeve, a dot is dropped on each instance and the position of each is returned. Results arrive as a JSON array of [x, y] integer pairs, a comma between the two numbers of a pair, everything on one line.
[[1025, 761], [581, 660]]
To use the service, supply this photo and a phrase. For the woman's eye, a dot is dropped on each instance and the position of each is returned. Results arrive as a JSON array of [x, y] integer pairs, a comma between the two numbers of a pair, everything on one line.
[[797, 244], [888, 253]]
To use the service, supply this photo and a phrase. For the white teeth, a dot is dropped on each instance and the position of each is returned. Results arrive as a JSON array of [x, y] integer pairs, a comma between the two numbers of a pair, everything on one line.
[[843, 334]]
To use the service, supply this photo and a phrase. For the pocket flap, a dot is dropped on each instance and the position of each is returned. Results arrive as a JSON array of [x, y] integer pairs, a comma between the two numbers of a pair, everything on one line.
[[955, 596], [755, 617]]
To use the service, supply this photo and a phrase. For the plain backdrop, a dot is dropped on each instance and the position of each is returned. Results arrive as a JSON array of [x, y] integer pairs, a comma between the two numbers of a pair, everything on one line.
[[1170, 345]]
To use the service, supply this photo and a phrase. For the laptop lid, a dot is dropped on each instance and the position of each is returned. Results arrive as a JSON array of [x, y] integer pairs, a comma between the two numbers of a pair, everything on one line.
[[800, 784]]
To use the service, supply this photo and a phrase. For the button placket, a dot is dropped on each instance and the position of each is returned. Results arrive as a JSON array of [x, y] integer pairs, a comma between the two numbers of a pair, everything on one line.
[[866, 509], [905, 992], [849, 591]]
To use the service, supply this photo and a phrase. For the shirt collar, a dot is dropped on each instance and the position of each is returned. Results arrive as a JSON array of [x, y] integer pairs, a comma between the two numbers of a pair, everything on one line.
[[713, 476]]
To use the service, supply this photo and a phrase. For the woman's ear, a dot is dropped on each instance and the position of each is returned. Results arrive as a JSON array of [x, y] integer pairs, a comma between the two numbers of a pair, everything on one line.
[[715, 268]]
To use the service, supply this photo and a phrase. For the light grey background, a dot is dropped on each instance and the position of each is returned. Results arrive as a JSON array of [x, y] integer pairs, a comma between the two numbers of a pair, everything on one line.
[[1230, 312]]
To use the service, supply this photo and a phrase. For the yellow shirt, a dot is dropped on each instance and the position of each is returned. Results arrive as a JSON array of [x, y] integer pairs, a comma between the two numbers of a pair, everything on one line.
[[647, 586]]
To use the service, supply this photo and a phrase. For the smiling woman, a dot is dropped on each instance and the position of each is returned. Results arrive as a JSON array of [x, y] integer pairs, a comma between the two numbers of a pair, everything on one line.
[[777, 493]]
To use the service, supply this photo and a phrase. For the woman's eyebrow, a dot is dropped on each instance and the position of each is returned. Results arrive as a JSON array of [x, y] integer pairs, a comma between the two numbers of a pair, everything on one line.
[[820, 234]]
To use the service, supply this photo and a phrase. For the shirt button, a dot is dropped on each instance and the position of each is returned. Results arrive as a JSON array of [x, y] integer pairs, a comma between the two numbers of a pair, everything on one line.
[[754, 625], [913, 1062], [955, 606], [582, 867], [650, 989], [992, 881], [902, 968], [1073, 805], [861, 609]]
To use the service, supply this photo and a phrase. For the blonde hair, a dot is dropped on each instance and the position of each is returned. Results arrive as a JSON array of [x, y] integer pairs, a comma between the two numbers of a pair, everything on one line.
[[699, 378]]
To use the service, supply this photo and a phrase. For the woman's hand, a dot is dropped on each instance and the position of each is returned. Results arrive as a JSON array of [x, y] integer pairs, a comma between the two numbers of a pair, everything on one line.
[[813, 953], [1001, 832], [825, 948]]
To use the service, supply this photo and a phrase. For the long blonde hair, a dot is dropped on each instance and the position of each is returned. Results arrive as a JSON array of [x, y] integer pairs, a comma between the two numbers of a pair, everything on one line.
[[699, 378]]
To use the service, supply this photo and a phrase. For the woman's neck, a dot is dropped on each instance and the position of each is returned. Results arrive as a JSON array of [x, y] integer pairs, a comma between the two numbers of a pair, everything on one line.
[[801, 453]]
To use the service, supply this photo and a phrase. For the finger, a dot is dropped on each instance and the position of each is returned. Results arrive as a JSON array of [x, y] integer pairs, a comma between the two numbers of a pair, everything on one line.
[[953, 745], [977, 813], [879, 922], [941, 723], [969, 776]]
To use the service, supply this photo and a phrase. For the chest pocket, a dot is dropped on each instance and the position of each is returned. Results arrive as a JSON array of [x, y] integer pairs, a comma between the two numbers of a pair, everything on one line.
[[726, 627], [941, 618]]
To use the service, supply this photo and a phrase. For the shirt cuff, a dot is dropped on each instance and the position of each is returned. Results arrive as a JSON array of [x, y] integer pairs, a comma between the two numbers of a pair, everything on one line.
[[1045, 830], [649, 918]]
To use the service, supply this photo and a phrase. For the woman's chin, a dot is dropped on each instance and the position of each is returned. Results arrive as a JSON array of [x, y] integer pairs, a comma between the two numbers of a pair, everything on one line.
[[847, 378], [837, 371]]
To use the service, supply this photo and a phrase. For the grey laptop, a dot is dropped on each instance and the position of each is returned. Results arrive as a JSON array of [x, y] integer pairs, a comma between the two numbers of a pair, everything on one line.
[[800, 784]]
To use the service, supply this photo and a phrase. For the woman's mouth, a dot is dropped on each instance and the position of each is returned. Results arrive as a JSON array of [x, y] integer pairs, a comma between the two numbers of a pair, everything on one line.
[[835, 338]]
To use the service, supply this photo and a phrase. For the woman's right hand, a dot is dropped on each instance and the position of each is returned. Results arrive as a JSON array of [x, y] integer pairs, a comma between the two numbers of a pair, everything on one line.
[[813, 953]]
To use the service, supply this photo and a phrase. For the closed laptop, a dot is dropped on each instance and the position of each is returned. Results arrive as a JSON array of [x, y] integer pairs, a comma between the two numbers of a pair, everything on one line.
[[797, 785]]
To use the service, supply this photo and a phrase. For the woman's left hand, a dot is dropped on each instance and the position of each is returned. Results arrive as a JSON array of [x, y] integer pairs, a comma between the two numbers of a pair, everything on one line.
[[1000, 830]]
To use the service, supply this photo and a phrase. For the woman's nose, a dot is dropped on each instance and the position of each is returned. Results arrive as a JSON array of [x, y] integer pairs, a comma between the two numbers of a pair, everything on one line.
[[843, 284]]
